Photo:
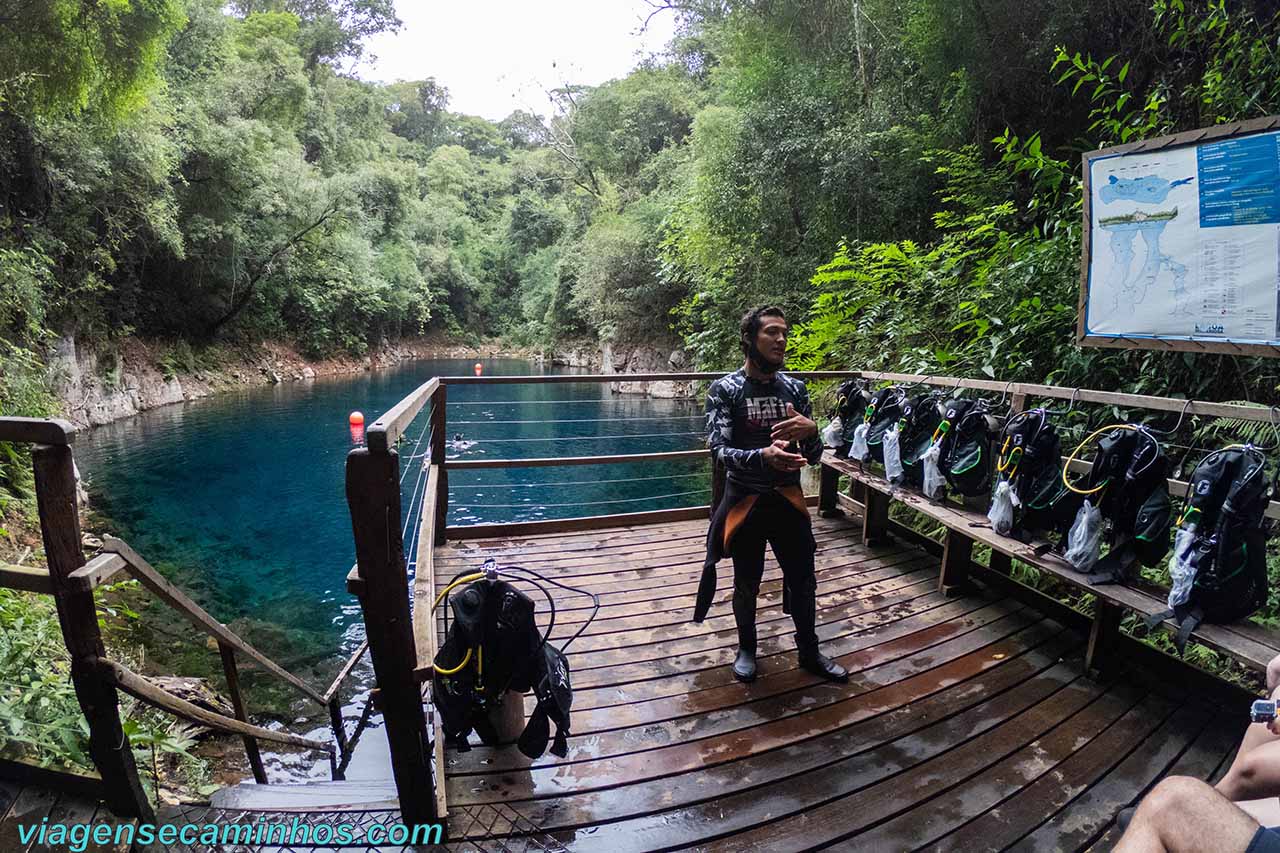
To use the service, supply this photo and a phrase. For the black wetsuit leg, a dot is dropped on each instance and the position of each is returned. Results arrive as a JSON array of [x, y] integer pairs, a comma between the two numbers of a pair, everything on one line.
[[775, 521], [791, 537], [747, 550]]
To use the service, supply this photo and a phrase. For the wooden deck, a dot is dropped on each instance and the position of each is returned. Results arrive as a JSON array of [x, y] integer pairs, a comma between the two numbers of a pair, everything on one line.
[[24, 805], [968, 722]]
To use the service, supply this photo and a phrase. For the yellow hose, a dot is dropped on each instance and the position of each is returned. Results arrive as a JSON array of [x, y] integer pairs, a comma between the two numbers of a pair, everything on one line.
[[465, 660], [467, 657], [1066, 465], [467, 579]]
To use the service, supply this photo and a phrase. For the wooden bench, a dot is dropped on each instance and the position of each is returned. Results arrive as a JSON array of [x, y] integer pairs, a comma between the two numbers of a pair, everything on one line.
[[1250, 644]]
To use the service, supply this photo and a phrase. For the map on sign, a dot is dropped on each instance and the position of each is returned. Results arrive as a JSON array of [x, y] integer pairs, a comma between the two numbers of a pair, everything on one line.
[[1185, 242]]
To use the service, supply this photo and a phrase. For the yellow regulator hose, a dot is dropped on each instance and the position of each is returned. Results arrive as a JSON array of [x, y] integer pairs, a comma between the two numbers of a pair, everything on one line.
[[1067, 465]]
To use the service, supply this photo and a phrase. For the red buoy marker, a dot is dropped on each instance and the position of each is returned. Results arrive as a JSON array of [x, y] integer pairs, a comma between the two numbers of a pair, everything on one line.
[[479, 368], [357, 427]]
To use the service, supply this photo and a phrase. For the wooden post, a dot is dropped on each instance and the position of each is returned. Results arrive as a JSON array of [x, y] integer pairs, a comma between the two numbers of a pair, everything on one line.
[[232, 671], [875, 520], [957, 551], [1103, 635], [828, 485], [439, 425], [373, 496], [1002, 563], [60, 526]]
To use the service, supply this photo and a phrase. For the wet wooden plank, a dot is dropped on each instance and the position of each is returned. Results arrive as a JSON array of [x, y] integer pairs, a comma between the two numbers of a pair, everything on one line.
[[863, 633], [713, 739], [846, 815], [29, 807], [950, 702], [913, 638], [1186, 736], [1038, 778]]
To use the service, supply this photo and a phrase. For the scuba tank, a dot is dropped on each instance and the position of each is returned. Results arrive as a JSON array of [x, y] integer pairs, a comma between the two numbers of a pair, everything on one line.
[[1219, 563], [965, 459], [1028, 461]]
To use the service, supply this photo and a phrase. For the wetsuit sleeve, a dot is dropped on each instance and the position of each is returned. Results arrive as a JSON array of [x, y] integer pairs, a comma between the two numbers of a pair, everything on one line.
[[720, 433], [810, 448]]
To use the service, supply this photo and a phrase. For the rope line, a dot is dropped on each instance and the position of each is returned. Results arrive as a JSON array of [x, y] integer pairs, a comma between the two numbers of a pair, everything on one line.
[[581, 503], [596, 401], [585, 437], [587, 420], [578, 482]]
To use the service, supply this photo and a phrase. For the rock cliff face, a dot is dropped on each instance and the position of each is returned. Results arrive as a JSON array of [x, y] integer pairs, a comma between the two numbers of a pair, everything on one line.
[[94, 393], [609, 358]]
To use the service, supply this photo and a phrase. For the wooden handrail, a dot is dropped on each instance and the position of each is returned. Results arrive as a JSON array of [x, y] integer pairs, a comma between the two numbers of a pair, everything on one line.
[[97, 571], [1082, 395], [386, 430], [140, 569], [36, 431], [543, 462], [424, 581], [26, 578], [563, 378], [345, 672], [140, 688]]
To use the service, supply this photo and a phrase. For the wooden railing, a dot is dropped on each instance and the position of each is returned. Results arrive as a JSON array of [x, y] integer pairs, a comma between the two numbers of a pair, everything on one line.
[[72, 581]]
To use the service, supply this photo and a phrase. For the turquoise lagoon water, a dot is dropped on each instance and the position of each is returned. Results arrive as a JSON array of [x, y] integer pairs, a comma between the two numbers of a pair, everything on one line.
[[240, 497]]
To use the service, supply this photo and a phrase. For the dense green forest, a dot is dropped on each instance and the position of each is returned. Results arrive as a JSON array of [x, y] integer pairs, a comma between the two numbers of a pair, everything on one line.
[[900, 174]]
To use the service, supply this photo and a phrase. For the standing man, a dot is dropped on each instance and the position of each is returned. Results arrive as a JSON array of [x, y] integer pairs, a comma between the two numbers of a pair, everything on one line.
[[759, 427]]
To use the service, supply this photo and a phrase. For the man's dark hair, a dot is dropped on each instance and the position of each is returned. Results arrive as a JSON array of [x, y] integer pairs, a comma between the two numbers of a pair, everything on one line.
[[751, 322]]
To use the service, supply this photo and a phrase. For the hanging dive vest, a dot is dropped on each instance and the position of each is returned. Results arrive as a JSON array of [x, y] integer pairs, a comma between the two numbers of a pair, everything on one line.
[[851, 404], [493, 646], [920, 418], [882, 412], [965, 459], [1128, 483], [1222, 541], [1029, 460]]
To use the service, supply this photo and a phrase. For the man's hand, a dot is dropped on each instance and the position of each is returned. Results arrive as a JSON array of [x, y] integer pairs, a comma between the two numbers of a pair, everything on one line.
[[776, 456], [795, 428]]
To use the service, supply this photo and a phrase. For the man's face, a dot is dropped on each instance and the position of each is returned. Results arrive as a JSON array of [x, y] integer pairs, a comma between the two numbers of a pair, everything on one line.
[[771, 340]]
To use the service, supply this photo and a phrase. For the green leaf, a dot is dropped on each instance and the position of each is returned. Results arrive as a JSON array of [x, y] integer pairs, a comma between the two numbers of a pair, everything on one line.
[[1124, 72]]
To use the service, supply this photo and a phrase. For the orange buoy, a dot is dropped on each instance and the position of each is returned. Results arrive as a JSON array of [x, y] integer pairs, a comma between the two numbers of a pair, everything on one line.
[[479, 368], [357, 427], [356, 419]]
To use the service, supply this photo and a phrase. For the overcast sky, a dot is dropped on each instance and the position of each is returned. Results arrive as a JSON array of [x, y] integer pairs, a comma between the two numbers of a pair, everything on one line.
[[496, 56]]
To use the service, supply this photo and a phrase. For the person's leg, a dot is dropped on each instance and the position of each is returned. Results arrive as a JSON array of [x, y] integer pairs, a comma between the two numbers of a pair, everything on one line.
[[747, 550], [791, 537], [1185, 814], [1255, 772]]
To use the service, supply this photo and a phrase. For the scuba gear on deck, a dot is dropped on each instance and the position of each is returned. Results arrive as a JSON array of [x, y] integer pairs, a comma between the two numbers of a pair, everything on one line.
[[965, 436], [492, 647], [851, 404], [1219, 562], [1028, 461], [883, 411], [920, 418], [1128, 485]]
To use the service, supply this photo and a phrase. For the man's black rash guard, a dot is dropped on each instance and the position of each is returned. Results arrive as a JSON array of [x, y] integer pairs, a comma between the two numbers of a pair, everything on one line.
[[741, 412]]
